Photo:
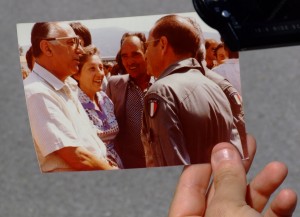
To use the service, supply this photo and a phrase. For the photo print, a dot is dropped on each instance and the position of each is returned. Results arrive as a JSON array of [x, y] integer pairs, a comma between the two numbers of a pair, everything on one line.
[[129, 92]]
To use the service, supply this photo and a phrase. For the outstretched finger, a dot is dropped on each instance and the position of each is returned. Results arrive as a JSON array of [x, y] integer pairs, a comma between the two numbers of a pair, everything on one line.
[[283, 205], [264, 184], [189, 198]]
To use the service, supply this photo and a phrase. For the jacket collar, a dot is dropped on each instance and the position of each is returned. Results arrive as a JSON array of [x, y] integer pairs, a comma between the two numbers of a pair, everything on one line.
[[189, 63]]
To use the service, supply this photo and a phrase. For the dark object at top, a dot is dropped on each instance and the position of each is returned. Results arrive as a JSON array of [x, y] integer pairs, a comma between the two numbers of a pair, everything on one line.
[[253, 24]]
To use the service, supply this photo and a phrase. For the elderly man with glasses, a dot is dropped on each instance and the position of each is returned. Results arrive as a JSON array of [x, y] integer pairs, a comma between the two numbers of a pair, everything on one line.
[[63, 136]]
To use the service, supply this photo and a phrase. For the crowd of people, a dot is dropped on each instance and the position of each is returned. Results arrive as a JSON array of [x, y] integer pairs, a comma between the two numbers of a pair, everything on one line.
[[163, 103], [151, 108]]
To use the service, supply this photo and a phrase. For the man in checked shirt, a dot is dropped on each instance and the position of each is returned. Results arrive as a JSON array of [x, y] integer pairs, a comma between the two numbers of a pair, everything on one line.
[[127, 93]]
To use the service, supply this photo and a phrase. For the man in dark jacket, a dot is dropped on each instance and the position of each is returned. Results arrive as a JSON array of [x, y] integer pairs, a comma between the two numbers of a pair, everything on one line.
[[127, 93], [185, 113]]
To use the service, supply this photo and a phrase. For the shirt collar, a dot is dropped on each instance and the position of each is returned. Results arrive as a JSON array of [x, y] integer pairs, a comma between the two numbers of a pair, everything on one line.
[[52, 79], [132, 83]]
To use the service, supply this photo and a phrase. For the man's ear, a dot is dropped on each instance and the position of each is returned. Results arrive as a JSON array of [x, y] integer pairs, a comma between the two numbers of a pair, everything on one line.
[[164, 43], [46, 48]]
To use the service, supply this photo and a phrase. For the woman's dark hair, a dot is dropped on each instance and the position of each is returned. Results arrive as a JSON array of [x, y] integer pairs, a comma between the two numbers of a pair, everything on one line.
[[83, 32], [88, 51]]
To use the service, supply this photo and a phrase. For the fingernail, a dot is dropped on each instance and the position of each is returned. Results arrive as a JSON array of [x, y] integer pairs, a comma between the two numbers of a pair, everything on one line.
[[223, 155]]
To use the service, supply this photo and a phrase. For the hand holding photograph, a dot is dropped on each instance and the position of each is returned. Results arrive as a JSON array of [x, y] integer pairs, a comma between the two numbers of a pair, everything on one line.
[[133, 92]]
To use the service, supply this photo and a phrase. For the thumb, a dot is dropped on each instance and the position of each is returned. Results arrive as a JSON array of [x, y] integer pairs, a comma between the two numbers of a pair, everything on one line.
[[229, 180]]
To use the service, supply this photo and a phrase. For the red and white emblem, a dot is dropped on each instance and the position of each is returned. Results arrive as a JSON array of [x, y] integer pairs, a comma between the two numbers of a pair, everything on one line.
[[153, 105], [238, 99]]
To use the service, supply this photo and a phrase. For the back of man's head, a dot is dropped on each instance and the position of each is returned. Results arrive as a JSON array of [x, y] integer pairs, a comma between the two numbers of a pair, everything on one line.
[[182, 35]]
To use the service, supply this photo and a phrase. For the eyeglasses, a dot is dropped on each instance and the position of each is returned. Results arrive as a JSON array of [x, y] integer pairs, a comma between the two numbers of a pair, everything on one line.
[[148, 42], [72, 41]]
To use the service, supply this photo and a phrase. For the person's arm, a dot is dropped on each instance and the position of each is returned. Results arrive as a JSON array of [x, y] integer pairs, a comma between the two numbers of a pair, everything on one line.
[[80, 158], [54, 133], [162, 134], [232, 197]]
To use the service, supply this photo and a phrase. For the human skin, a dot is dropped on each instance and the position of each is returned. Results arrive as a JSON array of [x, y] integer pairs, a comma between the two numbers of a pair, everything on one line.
[[230, 195]]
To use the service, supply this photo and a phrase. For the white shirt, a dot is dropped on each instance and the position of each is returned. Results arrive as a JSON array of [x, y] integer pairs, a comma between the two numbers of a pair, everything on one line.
[[230, 70], [57, 119]]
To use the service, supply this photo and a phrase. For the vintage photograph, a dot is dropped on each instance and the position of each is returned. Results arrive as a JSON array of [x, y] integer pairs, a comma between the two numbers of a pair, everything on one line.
[[129, 92]]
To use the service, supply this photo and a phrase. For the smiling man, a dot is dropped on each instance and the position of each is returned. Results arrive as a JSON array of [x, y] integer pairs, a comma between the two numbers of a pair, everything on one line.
[[127, 93], [63, 135]]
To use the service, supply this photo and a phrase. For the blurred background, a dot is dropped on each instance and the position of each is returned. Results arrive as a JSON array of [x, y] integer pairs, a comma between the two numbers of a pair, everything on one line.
[[271, 91]]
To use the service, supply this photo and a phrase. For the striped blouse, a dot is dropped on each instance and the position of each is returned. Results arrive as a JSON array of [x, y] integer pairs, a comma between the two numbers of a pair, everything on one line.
[[104, 119]]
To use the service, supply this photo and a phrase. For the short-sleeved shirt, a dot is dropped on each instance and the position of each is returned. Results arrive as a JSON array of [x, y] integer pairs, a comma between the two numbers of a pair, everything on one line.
[[57, 119]]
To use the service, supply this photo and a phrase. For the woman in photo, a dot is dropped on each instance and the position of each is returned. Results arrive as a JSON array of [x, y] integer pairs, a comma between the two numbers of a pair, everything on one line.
[[96, 103]]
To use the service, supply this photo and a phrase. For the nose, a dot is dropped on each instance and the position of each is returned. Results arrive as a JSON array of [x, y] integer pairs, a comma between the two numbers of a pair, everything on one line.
[[100, 72], [131, 60]]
